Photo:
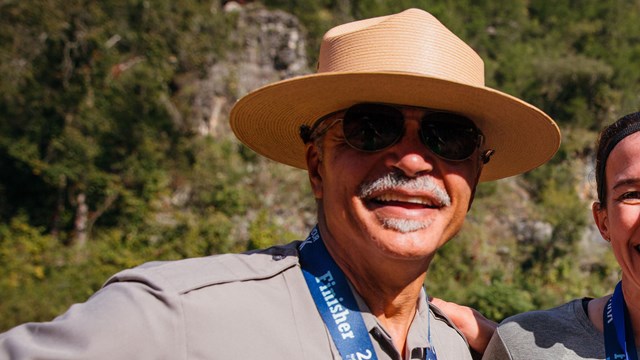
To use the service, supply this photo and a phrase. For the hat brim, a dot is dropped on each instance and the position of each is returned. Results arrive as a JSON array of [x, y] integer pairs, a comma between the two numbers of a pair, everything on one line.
[[268, 119]]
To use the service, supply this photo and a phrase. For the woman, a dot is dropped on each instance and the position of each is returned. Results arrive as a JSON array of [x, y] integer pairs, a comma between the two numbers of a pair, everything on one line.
[[604, 327]]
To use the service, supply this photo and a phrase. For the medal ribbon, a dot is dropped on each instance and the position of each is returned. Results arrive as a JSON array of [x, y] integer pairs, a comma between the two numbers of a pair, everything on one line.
[[335, 301], [619, 341]]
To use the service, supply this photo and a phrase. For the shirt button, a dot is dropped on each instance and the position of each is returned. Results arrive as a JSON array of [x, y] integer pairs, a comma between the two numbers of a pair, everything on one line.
[[278, 257]]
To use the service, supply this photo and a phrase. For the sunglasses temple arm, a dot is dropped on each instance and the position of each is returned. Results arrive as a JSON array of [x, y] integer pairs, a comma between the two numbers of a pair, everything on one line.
[[486, 155]]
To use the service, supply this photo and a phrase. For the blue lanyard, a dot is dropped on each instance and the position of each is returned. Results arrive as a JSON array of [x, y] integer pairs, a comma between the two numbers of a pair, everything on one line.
[[334, 300], [337, 305], [429, 351], [619, 341]]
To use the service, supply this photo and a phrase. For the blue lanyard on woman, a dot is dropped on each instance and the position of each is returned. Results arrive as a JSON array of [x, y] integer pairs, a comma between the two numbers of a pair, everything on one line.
[[619, 341]]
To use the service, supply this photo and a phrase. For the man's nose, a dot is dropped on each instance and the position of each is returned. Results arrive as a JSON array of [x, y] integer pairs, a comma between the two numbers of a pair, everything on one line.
[[410, 155]]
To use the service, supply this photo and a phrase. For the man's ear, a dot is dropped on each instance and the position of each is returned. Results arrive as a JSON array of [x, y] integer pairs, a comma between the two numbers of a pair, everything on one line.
[[314, 162], [601, 218]]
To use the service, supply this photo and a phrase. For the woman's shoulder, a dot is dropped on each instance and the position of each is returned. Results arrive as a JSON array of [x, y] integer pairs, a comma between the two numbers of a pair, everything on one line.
[[558, 332], [570, 311]]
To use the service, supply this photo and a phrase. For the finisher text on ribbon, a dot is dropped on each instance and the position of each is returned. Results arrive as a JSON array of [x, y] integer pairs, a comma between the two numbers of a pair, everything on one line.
[[338, 311]]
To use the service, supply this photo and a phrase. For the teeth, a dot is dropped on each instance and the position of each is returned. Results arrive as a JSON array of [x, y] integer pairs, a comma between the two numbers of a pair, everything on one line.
[[408, 199]]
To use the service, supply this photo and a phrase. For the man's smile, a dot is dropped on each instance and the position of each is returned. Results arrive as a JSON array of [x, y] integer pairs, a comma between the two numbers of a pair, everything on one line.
[[408, 201]]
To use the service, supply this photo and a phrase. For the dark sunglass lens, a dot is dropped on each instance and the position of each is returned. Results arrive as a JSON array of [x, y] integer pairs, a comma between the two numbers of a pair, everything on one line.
[[372, 127], [450, 136]]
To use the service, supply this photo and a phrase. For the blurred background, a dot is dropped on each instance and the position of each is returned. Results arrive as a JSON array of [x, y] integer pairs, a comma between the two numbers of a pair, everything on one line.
[[115, 147]]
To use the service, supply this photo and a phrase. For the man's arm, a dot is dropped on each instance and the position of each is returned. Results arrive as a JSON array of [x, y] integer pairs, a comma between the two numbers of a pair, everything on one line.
[[121, 321]]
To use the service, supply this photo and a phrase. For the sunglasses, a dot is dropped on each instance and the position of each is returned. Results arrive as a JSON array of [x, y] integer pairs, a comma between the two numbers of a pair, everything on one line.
[[371, 127]]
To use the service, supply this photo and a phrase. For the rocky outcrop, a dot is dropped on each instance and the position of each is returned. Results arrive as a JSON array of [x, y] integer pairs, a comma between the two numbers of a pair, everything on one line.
[[267, 46]]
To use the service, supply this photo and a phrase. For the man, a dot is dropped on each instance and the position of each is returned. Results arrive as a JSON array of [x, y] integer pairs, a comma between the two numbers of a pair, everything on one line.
[[395, 130]]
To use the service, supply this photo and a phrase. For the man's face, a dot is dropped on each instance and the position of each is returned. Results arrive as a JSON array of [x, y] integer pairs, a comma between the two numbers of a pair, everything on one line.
[[403, 202]]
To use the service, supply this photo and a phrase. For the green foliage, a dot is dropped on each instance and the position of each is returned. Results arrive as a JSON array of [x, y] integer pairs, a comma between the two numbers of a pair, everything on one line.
[[89, 112], [195, 236], [24, 253], [219, 177], [499, 300], [470, 267], [575, 89], [262, 234], [29, 263]]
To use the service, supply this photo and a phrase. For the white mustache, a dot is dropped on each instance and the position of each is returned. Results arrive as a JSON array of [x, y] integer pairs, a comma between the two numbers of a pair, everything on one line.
[[395, 181]]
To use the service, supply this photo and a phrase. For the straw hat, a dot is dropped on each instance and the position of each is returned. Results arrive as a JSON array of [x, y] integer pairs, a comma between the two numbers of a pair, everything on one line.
[[408, 58]]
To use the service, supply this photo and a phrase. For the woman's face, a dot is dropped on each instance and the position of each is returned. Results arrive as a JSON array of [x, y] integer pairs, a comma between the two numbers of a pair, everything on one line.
[[619, 219]]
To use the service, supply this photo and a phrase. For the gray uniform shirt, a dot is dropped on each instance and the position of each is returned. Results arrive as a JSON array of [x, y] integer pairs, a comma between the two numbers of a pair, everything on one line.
[[234, 306]]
